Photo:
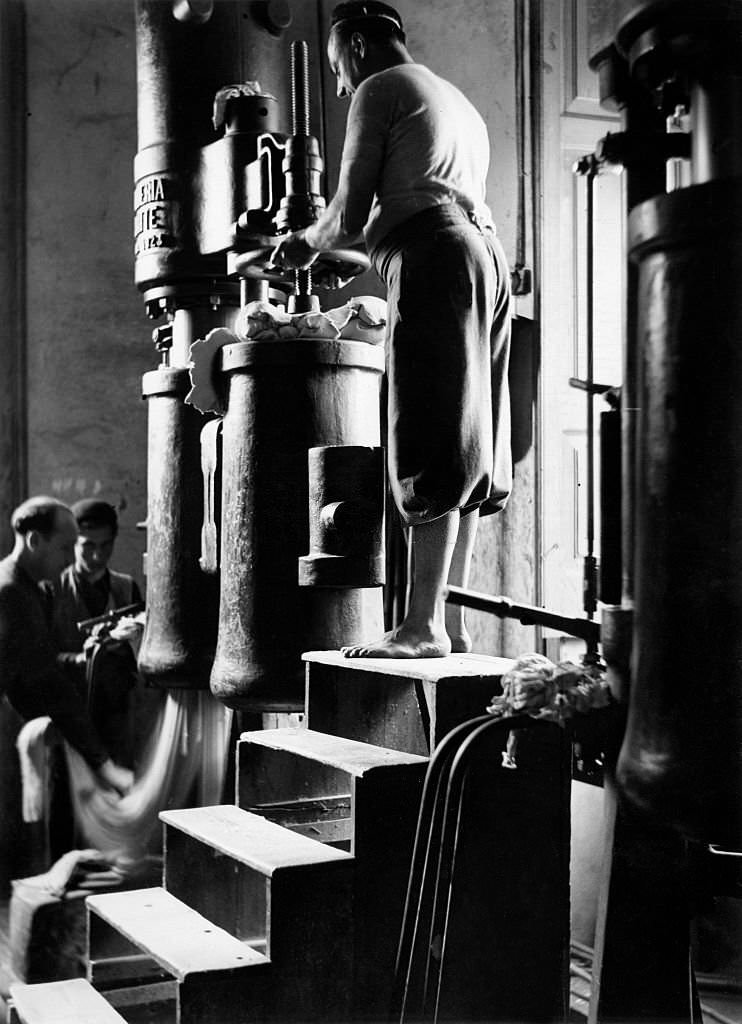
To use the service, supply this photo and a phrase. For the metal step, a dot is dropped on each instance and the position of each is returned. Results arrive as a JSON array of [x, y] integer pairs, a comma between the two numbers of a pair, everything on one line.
[[368, 797], [60, 1002], [226, 862], [327, 787], [284, 894], [350, 756], [180, 939], [403, 704], [248, 838], [214, 970]]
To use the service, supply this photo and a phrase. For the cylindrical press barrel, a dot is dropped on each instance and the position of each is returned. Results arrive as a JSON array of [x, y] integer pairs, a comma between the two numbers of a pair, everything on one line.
[[284, 397], [681, 758], [180, 627]]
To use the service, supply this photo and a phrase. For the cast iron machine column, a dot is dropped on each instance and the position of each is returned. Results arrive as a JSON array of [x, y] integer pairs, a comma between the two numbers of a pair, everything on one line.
[[672, 765], [189, 190], [641, 149], [283, 398], [681, 759]]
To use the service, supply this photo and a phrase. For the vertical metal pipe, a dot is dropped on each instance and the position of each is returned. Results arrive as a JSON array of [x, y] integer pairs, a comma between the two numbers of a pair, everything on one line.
[[590, 581]]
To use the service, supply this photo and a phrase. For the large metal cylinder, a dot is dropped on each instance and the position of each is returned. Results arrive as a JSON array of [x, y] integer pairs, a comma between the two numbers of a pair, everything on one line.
[[681, 759], [285, 397], [180, 67], [190, 188], [182, 600], [180, 627]]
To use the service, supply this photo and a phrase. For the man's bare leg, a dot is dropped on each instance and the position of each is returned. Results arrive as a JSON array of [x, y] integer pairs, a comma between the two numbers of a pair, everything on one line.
[[459, 576], [422, 633]]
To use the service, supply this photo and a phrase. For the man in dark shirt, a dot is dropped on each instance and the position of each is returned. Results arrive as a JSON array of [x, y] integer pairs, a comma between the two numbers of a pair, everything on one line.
[[45, 535], [103, 669], [89, 587]]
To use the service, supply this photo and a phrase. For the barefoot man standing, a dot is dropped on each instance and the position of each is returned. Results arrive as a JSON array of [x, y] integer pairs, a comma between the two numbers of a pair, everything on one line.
[[412, 182]]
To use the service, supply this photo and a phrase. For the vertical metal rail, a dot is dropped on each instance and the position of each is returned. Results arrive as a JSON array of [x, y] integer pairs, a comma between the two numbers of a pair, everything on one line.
[[590, 579], [588, 168]]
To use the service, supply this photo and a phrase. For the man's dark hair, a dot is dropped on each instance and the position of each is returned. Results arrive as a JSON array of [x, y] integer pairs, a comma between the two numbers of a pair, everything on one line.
[[91, 514], [38, 514], [377, 21]]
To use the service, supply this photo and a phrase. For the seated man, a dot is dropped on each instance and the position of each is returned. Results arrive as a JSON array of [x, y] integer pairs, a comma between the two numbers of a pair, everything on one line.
[[85, 590], [45, 534]]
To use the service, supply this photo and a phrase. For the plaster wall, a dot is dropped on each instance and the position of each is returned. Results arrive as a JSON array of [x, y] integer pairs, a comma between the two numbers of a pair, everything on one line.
[[88, 338]]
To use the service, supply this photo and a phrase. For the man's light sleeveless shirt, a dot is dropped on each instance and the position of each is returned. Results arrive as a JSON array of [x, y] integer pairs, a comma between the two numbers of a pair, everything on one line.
[[430, 144]]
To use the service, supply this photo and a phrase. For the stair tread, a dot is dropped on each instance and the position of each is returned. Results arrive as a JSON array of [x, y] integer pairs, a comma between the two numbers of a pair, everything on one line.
[[352, 756], [74, 1001], [175, 935], [430, 670], [251, 839]]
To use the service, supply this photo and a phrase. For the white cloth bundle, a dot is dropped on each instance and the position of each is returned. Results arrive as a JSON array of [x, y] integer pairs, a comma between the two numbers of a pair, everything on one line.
[[32, 744]]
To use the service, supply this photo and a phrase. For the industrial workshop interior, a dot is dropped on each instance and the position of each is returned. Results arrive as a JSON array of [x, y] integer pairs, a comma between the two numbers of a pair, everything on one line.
[[544, 825]]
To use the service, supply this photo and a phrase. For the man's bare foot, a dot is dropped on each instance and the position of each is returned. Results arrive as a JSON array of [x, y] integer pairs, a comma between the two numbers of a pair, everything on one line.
[[402, 643]]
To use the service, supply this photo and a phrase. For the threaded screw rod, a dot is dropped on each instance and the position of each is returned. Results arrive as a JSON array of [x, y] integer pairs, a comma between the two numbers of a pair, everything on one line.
[[299, 87]]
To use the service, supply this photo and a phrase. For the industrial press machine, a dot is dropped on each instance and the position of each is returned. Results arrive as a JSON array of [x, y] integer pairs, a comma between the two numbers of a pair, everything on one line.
[[264, 531], [216, 182]]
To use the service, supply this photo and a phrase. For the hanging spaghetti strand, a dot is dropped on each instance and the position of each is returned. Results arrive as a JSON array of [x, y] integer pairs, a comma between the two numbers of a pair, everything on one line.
[[127, 827]]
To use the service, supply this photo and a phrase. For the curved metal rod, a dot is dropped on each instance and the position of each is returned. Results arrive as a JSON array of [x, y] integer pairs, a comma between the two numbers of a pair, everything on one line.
[[435, 864], [428, 824], [458, 775], [449, 839]]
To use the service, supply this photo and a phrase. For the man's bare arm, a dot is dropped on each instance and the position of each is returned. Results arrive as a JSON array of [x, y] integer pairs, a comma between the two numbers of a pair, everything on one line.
[[343, 220]]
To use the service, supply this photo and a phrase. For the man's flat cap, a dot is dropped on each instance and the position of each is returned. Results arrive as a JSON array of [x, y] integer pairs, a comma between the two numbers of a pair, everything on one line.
[[92, 512], [354, 10]]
